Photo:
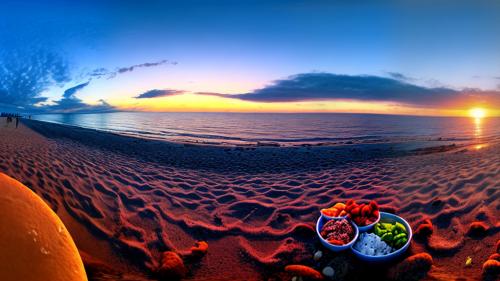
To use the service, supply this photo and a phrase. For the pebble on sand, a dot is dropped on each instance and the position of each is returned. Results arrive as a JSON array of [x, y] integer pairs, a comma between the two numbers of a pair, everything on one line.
[[491, 267], [328, 271], [318, 255], [172, 267], [477, 228], [304, 271], [200, 248], [415, 266], [425, 229]]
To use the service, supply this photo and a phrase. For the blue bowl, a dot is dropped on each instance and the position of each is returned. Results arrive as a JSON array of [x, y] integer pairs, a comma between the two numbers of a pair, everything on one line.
[[335, 248], [387, 217], [332, 218], [369, 227]]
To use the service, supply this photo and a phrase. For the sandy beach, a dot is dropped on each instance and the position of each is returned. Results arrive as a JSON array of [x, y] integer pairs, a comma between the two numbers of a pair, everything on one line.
[[125, 201]]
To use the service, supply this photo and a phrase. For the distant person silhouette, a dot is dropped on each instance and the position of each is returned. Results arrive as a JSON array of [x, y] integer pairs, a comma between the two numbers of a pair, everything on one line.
[[17, 122]]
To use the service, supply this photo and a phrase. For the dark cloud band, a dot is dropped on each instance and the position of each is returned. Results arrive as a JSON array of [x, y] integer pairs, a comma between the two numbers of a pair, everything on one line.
[[328, 86]]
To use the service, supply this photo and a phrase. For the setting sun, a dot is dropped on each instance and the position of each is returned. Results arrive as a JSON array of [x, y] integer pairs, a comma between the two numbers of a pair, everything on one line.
[[477, 113]]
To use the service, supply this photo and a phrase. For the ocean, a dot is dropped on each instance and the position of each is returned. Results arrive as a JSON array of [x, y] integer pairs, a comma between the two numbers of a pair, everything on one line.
[[282, 129]]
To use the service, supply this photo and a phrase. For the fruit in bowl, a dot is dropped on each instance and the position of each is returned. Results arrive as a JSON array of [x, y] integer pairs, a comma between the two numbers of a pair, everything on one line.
[[337, 210], [334, 233], [362, 214], [338, 232], [394, 234]]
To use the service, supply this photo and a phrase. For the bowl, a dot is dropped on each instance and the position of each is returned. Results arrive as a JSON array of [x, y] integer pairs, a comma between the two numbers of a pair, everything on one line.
[[387, 217], [369, 227], [335, 248], [332, 218]]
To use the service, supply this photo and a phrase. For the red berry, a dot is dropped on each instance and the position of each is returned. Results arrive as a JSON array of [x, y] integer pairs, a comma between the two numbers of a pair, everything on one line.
[[366, 211], [374, 205]]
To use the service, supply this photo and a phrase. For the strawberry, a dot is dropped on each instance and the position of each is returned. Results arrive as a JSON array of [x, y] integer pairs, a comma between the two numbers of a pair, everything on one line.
[[361, 205], [356, 211], [348, 208], [366, 211]]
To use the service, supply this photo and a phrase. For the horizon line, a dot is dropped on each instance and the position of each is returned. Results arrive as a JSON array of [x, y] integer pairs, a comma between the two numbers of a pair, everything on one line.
[[270, 112]]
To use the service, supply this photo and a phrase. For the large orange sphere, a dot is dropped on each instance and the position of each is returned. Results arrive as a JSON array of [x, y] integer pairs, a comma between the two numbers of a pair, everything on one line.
[[34, 243]]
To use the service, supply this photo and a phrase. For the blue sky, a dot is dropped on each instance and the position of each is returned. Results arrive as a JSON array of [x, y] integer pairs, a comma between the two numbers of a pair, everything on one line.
[[237, 47]]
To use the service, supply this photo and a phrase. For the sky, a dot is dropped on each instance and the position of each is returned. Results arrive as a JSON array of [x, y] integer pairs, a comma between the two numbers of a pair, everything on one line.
[[398, 57]]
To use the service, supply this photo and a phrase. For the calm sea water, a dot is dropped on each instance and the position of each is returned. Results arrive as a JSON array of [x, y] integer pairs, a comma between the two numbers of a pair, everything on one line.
[[286, 129]]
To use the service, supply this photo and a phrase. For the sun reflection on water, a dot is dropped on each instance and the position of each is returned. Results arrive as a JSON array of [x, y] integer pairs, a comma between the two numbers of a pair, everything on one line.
[[479, 146], [478, 127]]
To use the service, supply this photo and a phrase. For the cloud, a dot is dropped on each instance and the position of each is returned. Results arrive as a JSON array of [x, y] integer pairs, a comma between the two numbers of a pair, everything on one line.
[[328, 86], [147, 64], [76, 105], [98, 72], [159, 93], [110, 74], [400, 76], [69, 103], [27, 71], [71, 91]]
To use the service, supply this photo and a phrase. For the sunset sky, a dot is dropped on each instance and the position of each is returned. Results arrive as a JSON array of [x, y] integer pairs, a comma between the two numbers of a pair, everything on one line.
[[250, 56]]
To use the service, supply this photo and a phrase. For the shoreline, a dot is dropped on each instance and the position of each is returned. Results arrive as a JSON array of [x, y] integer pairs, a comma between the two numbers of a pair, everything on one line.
[[253, 158], [126, 201]]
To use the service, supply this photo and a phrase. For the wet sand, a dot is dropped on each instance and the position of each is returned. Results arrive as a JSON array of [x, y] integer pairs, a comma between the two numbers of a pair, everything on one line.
[[126, 200]]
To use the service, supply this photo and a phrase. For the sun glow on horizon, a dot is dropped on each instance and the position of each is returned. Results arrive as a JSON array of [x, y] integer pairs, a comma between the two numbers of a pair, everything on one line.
[[477, 113], [190, 102]]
